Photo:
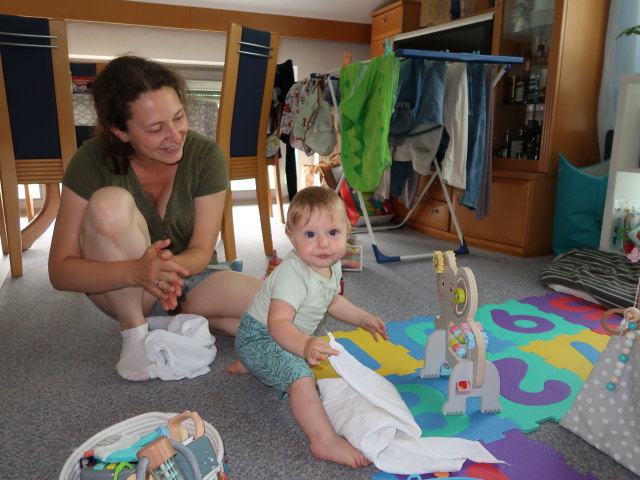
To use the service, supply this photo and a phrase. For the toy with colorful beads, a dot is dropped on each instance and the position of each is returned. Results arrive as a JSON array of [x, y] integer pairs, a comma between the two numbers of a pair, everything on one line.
[[458, 345], [274, 261], [627, 334]]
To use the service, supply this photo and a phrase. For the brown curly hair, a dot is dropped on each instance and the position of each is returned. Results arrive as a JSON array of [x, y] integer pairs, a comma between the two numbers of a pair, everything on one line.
[[118, 85]]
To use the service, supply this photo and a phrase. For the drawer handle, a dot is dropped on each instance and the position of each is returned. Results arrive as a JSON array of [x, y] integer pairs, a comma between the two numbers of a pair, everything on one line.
[[384, 19], [434, 210]]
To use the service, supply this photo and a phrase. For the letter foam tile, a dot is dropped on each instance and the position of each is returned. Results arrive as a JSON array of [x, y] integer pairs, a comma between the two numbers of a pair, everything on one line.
[[425, 398], [414, 333], [573, 309], [383, 356], [525, 459], [576, 353]]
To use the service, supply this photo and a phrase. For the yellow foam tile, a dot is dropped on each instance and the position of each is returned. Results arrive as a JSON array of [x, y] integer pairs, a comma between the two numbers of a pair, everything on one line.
[[561, 354], [391, 357]]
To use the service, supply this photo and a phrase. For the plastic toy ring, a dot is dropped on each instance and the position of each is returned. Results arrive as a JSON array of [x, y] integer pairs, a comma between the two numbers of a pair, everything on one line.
[[459, 296]]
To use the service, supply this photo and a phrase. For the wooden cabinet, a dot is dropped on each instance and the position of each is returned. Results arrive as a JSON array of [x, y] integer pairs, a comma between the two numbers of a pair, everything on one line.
[[388, 21], [567, 38], [572, 35], [432, 212], [521, 204], [623, 189]]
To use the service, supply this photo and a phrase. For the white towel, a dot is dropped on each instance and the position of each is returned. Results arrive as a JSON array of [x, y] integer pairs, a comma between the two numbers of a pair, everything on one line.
[[368, 411], [185, 349]]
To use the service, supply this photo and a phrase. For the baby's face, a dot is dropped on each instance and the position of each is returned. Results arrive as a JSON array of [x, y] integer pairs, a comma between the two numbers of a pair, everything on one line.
[[322, 240]]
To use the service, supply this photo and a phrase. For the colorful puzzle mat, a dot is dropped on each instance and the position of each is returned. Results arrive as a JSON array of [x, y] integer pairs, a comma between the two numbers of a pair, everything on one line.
[[544, 349]]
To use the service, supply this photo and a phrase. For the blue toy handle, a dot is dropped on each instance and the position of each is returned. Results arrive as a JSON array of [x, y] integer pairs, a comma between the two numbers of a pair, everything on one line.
[[141, 469]]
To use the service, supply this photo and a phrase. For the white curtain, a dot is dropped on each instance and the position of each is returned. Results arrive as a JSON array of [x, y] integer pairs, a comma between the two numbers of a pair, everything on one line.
[[622, 55]]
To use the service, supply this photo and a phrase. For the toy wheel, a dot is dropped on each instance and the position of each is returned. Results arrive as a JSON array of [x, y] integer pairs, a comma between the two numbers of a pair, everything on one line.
[[465, 295], [438, 262]]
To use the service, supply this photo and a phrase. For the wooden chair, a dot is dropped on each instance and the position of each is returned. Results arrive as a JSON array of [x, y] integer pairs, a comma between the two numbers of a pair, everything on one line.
[[274, 161], [247, 85], [37, 135]]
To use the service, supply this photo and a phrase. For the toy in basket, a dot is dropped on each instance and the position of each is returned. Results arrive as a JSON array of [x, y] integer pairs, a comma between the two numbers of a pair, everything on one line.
[[458, 345], [164, 442]]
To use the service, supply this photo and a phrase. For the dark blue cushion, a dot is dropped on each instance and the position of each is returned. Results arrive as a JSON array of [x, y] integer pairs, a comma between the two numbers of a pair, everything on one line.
[[252, 72], [31, 99]]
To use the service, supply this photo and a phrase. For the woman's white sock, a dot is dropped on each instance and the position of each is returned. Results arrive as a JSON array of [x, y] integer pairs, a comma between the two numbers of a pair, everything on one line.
[[134, 364]]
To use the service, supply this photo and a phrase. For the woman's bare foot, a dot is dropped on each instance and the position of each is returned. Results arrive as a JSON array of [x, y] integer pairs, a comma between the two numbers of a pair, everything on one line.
[[340, 451], [237, 367]]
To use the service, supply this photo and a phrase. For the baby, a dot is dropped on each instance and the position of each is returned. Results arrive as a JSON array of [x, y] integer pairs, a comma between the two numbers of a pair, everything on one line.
[[275, 340]]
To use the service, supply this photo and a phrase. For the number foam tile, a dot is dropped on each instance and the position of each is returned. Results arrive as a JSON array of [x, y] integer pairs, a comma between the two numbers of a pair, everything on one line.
[[425, 398], [524, 459], [522, 323], [572, 309], [576, 353], [531, 390], [412, 334]]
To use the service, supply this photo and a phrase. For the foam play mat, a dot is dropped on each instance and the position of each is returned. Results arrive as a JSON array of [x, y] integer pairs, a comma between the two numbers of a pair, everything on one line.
[[544, 349]]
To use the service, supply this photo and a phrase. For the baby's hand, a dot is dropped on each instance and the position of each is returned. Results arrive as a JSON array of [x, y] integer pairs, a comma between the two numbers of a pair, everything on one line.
[[316, 350], [375, 326]]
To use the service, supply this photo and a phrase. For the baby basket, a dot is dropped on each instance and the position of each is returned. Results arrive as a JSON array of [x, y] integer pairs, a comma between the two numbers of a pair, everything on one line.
[[143, 424]]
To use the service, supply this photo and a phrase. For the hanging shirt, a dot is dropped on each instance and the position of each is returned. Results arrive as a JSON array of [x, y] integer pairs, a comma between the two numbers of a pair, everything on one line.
[[455, 117], [368, 94]]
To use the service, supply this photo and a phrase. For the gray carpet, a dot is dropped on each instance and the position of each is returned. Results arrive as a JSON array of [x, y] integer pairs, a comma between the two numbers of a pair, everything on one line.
[[59, 385]]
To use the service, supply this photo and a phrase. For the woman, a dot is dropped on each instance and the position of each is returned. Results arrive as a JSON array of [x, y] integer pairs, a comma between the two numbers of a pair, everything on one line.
[[141, 210]]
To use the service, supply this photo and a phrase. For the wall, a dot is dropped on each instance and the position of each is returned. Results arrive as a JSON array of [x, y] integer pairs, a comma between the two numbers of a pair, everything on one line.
[[197, 47]]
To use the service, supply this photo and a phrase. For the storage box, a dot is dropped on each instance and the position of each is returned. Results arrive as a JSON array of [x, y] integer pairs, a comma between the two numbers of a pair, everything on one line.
[[435, 12]]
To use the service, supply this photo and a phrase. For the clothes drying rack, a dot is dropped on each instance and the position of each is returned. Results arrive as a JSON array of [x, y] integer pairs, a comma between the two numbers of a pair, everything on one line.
[[506, 61]]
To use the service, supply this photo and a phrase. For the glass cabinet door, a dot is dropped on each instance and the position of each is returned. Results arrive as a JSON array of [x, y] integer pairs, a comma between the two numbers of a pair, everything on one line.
[[520, 97]]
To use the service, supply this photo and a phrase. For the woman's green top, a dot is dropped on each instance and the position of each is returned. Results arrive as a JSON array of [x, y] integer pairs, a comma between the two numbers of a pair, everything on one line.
[[202, 171]]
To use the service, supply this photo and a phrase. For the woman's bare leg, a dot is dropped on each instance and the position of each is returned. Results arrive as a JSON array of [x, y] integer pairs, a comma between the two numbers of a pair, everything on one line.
[[114, 229], [325, 443], [222, 298]]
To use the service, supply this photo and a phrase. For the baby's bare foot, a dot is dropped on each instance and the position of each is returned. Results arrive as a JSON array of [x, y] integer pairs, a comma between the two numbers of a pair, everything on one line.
[[237, 367], [339, 450]]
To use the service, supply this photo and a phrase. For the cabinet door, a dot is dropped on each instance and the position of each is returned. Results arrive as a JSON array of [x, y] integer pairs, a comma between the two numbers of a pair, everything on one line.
[[377, 47], [387, 23], [522, 94], [432, 213], [435, 190], [549, 104], [507, 222]]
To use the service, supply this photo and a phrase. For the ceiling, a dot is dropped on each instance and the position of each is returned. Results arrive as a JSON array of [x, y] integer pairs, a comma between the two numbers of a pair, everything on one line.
[[358, 11]]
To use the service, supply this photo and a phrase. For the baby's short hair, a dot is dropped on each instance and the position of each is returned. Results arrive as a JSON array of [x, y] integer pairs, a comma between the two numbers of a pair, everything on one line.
[[309, 200]]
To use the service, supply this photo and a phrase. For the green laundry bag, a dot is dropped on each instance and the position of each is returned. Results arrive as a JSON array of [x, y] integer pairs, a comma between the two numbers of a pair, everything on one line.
[[580, 197]]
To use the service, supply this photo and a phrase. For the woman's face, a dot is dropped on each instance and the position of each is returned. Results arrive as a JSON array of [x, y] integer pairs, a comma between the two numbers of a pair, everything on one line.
[[158, 127]]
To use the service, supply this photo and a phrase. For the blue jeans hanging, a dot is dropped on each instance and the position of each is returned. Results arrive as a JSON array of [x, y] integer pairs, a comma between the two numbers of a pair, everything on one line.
[[476, 131]]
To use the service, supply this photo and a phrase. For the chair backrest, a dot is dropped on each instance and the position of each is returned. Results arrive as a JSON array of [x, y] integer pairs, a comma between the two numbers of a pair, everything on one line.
[[38, 106], [247, 86], [37, 134]]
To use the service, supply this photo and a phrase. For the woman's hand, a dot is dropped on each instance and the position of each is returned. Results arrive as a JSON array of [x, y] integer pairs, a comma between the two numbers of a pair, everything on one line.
[[160, 275], [316, 350]]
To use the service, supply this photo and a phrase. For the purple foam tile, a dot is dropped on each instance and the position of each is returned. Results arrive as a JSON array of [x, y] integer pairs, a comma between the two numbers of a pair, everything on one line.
[[573, 309]]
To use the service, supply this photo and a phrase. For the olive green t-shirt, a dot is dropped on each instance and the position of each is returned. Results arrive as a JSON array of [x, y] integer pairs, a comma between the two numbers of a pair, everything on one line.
[[202, 171]]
